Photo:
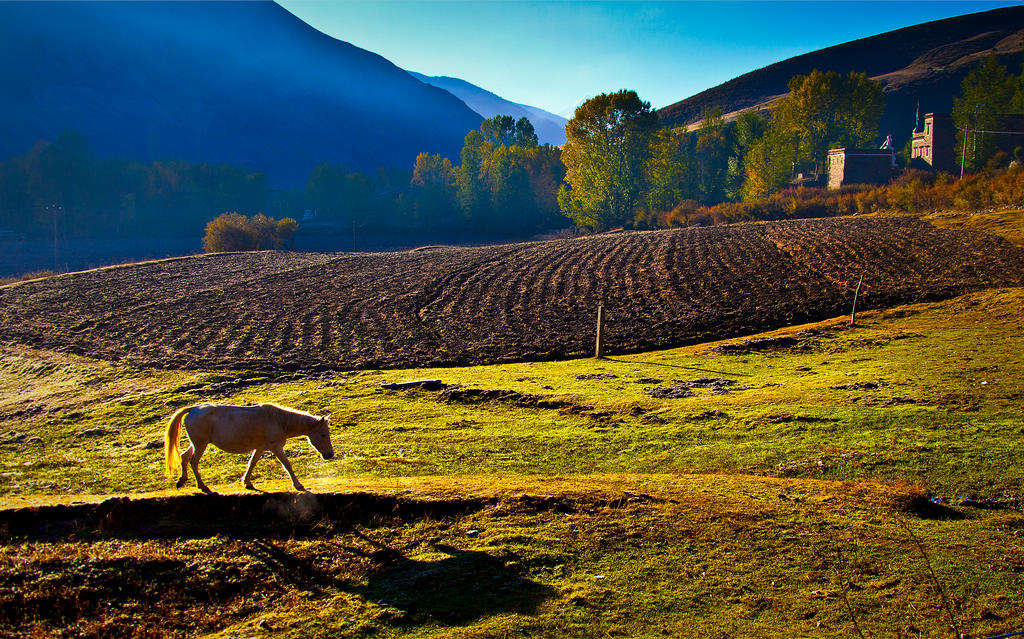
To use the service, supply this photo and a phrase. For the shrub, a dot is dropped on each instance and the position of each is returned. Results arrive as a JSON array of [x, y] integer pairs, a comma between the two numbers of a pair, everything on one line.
[[914, 191], [34, 275], [236, 232]]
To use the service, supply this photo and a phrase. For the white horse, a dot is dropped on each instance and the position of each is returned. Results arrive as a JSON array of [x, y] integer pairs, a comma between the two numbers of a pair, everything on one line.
[[240, 429]]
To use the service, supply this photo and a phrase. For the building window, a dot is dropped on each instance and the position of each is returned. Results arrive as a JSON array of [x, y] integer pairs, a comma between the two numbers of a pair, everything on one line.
[[927, 128]]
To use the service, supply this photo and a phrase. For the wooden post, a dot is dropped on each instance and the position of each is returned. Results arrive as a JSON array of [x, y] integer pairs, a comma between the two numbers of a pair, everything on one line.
[[853, 315], [56, 268], [599, 346]]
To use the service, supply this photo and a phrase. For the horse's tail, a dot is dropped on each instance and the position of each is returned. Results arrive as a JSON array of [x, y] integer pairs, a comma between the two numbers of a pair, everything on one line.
[[172, 462]]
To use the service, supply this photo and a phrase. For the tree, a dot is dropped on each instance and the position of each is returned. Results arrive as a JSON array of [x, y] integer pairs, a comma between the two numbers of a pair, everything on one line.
[[526, 136], [337, 193], [236, 232], [504, 130], [470, 189], [545, 170], [510, 187], [825, 111], [712, 156], [768, 164], [749, 127], [986, 95], [434, 194], [667, 175], [607, 154]]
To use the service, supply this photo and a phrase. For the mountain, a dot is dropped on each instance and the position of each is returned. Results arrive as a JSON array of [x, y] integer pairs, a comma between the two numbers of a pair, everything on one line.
[[550, 128], [925, 63], [240, 82]]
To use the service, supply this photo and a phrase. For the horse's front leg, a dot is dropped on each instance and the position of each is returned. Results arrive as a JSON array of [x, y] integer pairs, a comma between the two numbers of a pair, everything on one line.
[[247, 477], [279, 453]]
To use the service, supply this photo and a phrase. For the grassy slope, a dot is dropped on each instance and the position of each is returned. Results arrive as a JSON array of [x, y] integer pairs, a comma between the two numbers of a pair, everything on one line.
[[1005, 224], [945, 417], [763, 515]]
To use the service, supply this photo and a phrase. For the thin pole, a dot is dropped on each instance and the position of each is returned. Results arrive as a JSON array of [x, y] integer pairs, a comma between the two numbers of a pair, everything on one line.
[[963, 158], [853, 315], [599, 346], [53, 209]]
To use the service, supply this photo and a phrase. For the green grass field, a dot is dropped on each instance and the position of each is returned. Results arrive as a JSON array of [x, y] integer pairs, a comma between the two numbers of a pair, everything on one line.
[[865, 481]]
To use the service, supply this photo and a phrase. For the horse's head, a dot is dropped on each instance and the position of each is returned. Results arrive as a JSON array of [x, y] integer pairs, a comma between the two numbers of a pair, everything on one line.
[[320, 437]]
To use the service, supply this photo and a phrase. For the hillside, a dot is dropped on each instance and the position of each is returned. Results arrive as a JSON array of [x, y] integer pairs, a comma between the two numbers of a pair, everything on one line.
[[446, 306], [926, 62], [241, 82], [812, 492], [550, 127]]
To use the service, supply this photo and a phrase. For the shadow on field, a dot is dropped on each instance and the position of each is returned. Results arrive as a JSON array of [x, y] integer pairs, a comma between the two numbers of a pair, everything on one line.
[[463, 586], [241, 516], [251, 554], [689, 368]]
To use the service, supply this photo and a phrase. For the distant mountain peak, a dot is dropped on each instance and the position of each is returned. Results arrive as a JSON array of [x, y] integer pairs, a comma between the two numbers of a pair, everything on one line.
[[550, 128], [241, 82]]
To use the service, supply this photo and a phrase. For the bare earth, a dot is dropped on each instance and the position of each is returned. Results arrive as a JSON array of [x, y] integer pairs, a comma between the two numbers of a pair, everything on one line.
[[441, 306]]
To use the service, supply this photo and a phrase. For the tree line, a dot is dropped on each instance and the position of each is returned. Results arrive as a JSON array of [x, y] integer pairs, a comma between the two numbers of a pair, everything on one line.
[[619, 167], [505, 183], [624, 168], [61, 186], [988, 95]]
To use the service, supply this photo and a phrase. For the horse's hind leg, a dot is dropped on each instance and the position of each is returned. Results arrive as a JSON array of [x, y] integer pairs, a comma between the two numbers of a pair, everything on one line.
[[196, 456], [186, 456], [247, 477]]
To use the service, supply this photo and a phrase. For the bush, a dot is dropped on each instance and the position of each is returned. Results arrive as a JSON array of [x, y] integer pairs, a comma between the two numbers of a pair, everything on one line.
[[236, 232], [914, 191]]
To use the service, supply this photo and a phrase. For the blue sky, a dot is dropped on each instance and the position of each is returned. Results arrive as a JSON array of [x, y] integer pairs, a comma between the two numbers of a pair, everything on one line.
[[555, 54]]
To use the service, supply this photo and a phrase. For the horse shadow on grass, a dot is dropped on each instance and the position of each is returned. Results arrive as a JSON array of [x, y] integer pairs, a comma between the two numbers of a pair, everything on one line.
[[462, 586], [452, 586]]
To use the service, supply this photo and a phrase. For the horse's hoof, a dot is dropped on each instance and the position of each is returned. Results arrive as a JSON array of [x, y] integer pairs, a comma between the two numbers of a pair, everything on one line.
[[249, 487]]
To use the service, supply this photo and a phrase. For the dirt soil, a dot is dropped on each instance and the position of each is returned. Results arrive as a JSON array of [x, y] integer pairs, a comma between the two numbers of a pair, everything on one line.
[[531, 301]]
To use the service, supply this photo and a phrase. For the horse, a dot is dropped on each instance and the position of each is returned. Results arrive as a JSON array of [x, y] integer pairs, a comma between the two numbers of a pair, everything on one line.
[[240, 429]]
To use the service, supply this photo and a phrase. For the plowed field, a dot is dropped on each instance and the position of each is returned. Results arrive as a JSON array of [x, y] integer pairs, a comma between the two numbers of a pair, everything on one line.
[[288, 311]]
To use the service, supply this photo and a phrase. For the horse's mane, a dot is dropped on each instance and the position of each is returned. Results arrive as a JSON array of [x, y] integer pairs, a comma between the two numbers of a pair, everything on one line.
[[290, 414], [286, 409]]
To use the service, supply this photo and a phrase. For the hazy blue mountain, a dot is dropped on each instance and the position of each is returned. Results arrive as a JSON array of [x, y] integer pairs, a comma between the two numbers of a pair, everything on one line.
[[550, 127], [240, 82]]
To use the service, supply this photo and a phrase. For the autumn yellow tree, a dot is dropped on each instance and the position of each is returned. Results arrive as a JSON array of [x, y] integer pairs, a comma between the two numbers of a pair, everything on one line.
[[610, 142], [236, 232]]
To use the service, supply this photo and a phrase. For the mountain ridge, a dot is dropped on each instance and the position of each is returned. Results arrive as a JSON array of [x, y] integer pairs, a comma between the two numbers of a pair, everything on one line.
[[550, 127], [921, 63], [159, 80]]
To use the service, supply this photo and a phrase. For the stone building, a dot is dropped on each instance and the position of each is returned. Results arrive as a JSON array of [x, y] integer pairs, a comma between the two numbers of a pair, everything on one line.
[[935, 146], [861, 166]]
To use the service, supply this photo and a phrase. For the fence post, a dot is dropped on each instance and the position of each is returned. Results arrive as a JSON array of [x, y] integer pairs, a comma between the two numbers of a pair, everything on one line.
[[599, 346], [853, 314]]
